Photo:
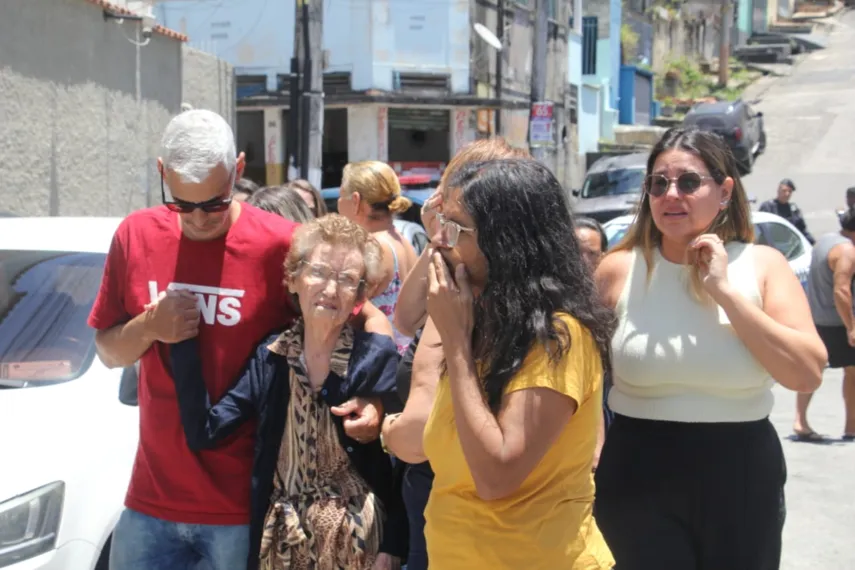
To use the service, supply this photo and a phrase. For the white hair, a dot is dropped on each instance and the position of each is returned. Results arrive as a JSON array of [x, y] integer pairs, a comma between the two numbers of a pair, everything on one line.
[[195, 142]]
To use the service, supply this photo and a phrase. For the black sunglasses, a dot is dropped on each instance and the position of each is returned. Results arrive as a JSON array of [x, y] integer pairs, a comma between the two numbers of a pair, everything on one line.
[[212, 206], [687, 183]]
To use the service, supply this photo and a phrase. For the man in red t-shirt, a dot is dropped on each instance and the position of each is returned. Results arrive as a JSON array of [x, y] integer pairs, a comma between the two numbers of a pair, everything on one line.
[[201, 265]]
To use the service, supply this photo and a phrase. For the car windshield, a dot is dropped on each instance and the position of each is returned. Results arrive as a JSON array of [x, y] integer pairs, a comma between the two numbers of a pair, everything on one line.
[[613, 183], [615, 233], [45, 299]]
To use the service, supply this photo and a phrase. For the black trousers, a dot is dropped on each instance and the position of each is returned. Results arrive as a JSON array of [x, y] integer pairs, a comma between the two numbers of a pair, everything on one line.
[[418, 480], [680, 496]]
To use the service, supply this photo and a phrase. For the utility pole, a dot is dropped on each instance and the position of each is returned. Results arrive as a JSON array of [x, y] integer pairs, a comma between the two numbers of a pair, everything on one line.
[[292, 140], [308, 38], [538, 70], [500, 56], [724, 46]]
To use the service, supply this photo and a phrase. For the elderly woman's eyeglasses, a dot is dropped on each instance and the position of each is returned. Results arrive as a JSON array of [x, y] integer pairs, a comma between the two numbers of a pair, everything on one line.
[[451, 230], [320, 273], [687, 183]]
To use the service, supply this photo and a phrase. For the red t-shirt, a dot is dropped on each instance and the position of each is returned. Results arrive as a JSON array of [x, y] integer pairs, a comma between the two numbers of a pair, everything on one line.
[[238, 281]]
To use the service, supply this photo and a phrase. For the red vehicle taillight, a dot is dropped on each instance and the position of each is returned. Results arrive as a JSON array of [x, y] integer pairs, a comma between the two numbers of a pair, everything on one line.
[[737, 134]]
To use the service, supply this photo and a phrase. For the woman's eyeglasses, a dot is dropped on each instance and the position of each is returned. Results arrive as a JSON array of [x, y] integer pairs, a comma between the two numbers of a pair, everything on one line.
[[211, 206], [687, 183], [451, 230], [321, 273]]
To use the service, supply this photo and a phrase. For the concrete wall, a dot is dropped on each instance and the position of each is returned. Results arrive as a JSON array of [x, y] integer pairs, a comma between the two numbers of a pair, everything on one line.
[[693, 38], [590, 110], [574, 59], [208, 83], [73, 138], [367, 133]]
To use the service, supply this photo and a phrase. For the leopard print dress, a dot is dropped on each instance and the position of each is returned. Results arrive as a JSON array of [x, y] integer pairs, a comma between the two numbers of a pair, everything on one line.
[[322, 515]]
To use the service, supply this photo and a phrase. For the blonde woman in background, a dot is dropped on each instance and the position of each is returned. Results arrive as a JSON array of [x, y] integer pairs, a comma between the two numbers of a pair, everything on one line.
[[692, 473], [371, 196]]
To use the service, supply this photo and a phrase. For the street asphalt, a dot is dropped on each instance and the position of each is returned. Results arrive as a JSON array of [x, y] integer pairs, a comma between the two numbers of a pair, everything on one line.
[[810, 125]]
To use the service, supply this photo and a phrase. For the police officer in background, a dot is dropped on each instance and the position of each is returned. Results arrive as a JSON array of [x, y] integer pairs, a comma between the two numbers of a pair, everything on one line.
[[782, 206]]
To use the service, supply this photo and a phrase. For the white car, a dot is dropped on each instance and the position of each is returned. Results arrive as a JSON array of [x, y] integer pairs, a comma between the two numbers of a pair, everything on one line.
[[769, 229], [68, 441]]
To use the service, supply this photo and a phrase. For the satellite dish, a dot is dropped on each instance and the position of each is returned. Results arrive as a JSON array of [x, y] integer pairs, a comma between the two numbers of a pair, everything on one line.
[[488, 36]]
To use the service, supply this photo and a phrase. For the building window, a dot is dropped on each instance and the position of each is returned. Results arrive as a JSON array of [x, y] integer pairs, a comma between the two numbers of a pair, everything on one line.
[[552, 7], [589, 45]]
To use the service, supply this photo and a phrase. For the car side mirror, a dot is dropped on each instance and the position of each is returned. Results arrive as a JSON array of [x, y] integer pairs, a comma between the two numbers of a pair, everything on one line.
[[575, 191], [128, 386], [758, 114]]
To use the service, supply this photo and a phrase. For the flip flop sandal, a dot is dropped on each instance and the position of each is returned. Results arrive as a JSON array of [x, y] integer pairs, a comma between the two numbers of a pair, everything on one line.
[[808, 437]]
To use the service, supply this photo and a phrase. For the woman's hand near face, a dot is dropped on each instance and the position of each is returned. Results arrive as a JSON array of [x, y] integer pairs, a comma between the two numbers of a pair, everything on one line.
[[710, 256], [450, 303], [429, 211]]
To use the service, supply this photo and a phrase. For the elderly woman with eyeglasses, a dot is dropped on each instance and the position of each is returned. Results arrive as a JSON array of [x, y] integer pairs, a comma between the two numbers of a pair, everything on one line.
[[320, 499]]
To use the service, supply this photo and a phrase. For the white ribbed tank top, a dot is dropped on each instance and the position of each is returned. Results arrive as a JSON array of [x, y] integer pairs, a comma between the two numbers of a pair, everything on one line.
[[676, 359]]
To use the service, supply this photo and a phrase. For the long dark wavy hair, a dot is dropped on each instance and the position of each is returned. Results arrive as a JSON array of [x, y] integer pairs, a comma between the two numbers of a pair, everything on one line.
[[535, 269]]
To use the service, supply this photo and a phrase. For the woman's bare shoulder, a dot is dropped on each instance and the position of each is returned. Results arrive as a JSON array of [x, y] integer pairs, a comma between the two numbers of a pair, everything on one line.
[[769, 261], [611, 275], [614, 265]]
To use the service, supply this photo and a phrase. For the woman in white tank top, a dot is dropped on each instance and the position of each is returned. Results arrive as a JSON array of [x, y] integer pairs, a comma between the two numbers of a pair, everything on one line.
[[692, 472]]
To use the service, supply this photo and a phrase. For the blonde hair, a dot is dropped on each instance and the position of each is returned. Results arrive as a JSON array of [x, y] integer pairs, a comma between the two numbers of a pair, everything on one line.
[[732, 224], [376, 183], [336, 230]]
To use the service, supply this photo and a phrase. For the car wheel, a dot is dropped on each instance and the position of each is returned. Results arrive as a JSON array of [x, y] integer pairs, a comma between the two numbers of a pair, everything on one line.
[[747, 164], [762, 148]]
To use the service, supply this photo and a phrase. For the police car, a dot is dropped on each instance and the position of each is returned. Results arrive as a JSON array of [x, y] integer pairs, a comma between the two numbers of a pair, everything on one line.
[[769, 229]]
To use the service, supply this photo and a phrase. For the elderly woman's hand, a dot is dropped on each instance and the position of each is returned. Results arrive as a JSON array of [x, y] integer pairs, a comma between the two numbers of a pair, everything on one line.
[[386, 562], [450, 303], [361, 418]]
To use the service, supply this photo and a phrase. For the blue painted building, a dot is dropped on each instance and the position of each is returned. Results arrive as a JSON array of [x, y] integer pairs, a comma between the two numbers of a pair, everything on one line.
[[599, 96]]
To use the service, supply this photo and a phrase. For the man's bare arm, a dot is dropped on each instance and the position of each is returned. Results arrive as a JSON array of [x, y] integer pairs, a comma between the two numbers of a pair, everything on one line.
[[172, 318], [842, 263], [122, 345], [411, 309]]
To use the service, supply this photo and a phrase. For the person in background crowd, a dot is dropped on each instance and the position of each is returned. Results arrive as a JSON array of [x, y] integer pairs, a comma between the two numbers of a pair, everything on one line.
[[832, 269], [512, 432], [309, 478], [592, 239], [692, 472], [183, 508], [594, 243], [783, 206], [421, 366], [310, 195], [283, 201], [850, 204], [244, 189], [371, 195]]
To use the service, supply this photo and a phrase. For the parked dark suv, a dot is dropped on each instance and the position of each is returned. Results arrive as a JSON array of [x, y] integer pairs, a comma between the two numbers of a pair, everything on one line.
[[739, 125], [612, 187]]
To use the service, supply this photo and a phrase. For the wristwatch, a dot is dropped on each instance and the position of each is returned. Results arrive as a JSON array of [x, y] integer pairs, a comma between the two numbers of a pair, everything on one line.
[[391, 418]]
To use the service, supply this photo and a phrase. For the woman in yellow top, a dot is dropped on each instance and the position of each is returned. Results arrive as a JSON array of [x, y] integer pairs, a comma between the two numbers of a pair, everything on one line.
[[512, 432]]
